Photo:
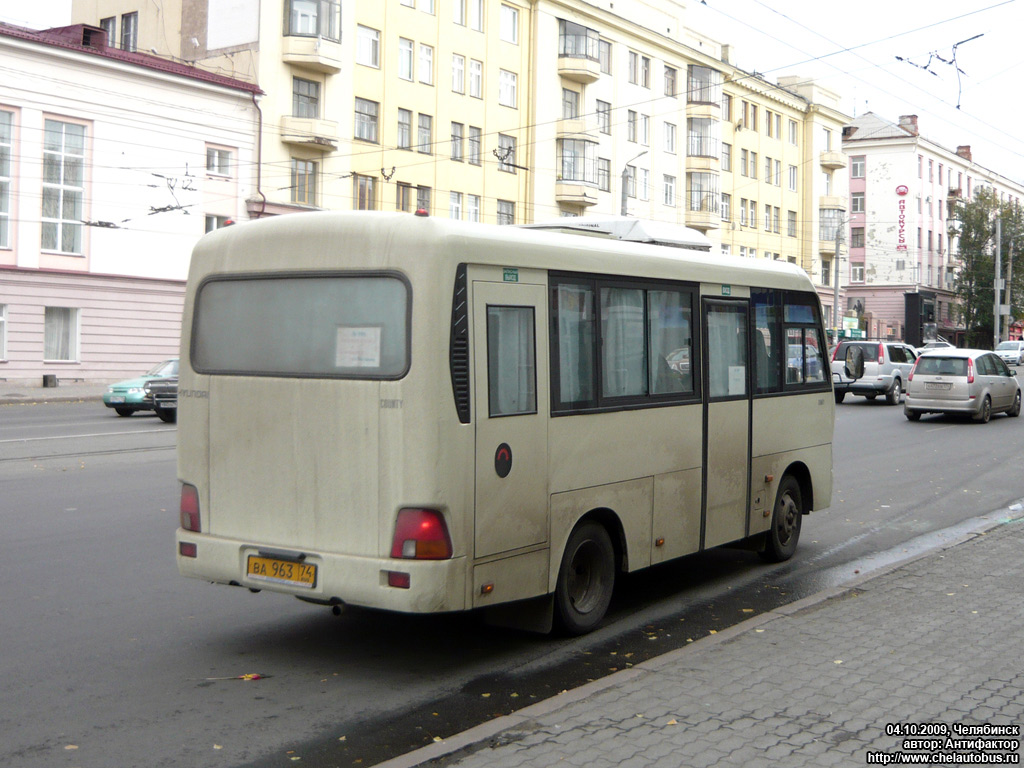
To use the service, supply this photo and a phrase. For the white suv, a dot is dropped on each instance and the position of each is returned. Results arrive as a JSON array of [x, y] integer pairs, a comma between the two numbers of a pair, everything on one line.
[[886, 367]]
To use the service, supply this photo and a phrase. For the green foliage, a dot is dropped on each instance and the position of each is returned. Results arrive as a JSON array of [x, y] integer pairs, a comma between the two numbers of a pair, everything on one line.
[[975, 224]]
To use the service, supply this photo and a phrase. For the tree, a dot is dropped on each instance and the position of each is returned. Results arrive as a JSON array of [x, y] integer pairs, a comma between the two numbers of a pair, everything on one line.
[[974, 222]]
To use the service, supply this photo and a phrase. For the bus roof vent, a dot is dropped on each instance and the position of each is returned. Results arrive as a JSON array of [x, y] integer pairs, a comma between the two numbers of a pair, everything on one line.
[[628, 229]]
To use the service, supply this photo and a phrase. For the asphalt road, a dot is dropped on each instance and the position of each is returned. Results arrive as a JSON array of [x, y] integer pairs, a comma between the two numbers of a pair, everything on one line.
[[110, 658]]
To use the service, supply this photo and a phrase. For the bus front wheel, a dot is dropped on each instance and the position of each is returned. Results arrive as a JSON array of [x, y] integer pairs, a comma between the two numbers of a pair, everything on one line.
[[782, 537], [586, 579]]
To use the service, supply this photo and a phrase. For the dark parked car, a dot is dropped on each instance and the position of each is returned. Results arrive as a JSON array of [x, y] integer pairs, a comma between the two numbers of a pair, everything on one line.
[[163, 393]]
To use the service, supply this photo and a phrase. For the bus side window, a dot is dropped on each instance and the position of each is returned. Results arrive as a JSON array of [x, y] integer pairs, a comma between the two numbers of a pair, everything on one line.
[[767, 340], [511, 361]]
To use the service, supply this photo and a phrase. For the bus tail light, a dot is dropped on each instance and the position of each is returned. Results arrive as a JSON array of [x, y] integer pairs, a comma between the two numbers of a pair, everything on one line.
[[421, 534], [190, 508], [970, 371]]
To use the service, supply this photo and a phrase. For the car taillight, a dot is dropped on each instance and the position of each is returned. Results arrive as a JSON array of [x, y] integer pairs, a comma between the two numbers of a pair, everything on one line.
[[910, 376], [421, 534], [881, 354], [970, 371], [835, 352], [190, 508]]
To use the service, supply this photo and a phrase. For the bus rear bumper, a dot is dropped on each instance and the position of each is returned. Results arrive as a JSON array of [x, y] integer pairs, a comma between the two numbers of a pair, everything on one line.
[[433, 585]]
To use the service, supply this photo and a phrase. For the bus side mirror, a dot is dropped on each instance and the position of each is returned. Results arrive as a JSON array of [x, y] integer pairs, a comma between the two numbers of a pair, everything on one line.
[[854, 362]]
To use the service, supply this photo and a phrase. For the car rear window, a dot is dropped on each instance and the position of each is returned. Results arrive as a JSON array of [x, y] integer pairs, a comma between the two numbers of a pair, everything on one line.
[[934, 365], [870, 349], [331, 326]]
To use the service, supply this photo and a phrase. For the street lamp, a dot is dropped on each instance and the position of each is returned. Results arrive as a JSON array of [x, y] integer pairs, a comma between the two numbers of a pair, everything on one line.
[[625, 178]]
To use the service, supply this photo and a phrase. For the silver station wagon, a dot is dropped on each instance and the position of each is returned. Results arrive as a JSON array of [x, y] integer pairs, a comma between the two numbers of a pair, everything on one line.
[[965, 381]]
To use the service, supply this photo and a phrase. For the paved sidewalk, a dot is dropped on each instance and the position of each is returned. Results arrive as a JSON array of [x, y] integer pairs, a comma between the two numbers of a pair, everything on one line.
[[935, 640], [26, 393]]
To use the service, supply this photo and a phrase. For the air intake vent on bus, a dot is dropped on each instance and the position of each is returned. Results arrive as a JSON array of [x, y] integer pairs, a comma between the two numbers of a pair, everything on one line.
[[458, 353]]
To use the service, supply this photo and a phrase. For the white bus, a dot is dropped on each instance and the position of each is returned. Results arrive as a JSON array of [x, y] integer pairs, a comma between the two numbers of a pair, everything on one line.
[[421, 415]]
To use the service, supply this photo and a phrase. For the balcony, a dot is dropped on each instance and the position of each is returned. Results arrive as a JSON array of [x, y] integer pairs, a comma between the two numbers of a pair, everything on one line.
[[575, 128], [575, 193], [827, 247], [833, 202], [313, 53], [833, 160], [579, 69], [704, 220], [309, 132]]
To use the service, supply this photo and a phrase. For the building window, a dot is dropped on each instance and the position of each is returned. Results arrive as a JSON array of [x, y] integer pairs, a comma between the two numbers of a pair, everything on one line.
[[857, 202], [506, 212], [645, 130], [767, 167], [459, 12], [60, 334], [217, 222], [364, 192], [775, 220], [506, 153], [474, 145], [476, 78], [704, 85], [857, 273], [753, 213], [670, 190], [426, 64], [792, 178], [404, 129], [218, 161], [577, 42], [507, 82], [425, 134], [791, 224], [457, 129], [631, 125], [304, 181], [604, 54], [423, 199], [744, 156], [630, 181], [857, 167], [570, 104], [63, 186], [6, 144], [753, 165], [476, 15], [792, 132], [726, 157], [778, 173], [367, 46], [405, 197], [703, 141], [670, 81], [857, 237], [455, 205], [578, 160], [639, 69], [366, 119], [831, 223], [604, 117], [305, 98], [129, 31], [727, 107], [473, 208], [509, 24], [405, 49], [703, 192], [767, 218], [315, 18], [3, 331], [604, 174], [743, 211], [670, 138], [458, 73], [109, 25], [826, 272], [726, 211]]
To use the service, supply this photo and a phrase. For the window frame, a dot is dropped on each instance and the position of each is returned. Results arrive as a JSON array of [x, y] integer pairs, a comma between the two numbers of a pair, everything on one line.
[[781, 386], [599, 402]]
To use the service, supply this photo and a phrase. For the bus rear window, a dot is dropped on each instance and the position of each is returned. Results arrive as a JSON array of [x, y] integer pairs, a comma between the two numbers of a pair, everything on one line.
[[332, 326]]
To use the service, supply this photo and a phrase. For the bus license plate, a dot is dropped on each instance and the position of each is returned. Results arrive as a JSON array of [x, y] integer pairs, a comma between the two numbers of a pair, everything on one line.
[[281, 571]]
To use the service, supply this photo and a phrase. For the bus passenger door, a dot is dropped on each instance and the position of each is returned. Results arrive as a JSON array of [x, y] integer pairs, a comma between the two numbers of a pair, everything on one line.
[[726, 421], [511, 415]]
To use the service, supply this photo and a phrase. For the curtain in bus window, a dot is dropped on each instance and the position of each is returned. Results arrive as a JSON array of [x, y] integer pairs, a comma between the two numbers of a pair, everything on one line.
[[511, 361], [575, 312], [623, 352], [671, 342], [727, 352]]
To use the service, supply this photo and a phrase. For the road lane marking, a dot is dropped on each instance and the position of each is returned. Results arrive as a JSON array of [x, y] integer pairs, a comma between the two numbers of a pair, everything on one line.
[[94, 434]]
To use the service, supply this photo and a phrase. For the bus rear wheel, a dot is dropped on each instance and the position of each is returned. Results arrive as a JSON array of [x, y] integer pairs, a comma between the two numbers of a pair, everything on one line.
[[787, 516], [586, 579]]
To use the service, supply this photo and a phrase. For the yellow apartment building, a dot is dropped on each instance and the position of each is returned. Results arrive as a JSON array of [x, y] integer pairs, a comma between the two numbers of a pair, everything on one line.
[[516, 111]]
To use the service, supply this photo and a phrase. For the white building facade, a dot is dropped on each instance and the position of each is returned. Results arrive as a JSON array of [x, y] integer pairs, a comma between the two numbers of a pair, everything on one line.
[[112, 165], [903, 262]]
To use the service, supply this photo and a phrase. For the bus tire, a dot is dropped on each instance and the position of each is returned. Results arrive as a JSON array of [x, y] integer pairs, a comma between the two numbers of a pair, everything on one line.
[[586, 579], [787, 516]]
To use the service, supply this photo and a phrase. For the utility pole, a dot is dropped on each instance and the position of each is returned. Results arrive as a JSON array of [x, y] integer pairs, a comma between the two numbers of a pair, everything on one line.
[[835, 280], [997, 317], [1009, 280], [625, 181]]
